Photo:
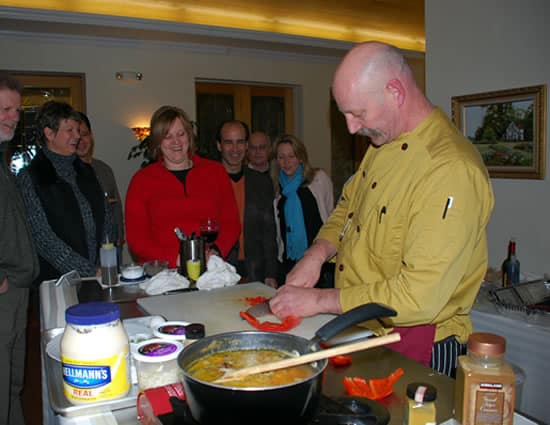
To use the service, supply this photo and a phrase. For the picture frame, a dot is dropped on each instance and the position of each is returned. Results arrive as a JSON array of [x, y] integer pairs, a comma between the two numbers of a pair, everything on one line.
[[508, 127]]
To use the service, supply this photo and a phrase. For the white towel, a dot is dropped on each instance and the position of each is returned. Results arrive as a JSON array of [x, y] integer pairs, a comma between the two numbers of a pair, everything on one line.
[[166, 280], [218, 274]]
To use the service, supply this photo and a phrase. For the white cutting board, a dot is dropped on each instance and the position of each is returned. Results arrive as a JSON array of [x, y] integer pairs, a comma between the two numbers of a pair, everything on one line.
[[219, 309]]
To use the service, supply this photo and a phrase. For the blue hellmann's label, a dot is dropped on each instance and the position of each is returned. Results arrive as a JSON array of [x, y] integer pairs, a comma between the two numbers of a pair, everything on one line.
[[86, 377]]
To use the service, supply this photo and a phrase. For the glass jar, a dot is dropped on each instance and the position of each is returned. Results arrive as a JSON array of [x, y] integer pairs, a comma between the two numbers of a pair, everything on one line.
[[420, 404], [92, 370], [485, 383], [157, 363]]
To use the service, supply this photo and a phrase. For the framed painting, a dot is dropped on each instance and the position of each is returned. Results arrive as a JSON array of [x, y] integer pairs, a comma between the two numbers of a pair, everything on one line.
[[38, 88], [508, 127]]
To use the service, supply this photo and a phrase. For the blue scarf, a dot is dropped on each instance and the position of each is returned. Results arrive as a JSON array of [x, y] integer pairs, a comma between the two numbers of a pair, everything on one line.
[[296, 237]]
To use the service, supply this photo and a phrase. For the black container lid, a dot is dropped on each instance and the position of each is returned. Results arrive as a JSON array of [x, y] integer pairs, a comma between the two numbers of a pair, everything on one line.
[[430, 393], [194, 331]]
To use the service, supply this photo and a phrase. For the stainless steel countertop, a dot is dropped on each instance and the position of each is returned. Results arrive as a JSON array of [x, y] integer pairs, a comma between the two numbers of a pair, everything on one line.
[[374, 363]]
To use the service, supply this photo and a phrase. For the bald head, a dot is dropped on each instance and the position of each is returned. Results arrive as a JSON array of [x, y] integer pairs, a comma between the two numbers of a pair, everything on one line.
[[369, 66], [375, 90]]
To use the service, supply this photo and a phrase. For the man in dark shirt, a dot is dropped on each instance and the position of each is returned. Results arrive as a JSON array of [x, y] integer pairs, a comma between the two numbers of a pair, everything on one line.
[[255, 254], [259, 152], [18, 264]]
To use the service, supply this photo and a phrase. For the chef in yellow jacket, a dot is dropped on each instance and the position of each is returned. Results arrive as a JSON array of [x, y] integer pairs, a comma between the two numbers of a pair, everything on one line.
[[409, 228]]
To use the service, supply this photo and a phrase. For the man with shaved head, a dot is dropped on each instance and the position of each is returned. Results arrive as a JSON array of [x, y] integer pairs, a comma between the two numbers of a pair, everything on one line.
[[409, 228]]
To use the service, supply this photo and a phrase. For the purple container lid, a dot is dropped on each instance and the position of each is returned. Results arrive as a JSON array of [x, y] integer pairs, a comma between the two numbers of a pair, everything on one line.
[[157, 350]]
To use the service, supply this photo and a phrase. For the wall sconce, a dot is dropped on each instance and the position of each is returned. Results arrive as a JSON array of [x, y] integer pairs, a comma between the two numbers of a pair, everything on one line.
[[128, 76], [141, 132]]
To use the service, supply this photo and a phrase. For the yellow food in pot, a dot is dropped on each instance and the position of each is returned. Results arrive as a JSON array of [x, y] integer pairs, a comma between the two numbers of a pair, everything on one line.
[[214, 366]]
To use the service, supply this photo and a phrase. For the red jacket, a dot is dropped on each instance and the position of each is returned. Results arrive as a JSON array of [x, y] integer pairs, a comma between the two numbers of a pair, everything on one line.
[[157, 202]]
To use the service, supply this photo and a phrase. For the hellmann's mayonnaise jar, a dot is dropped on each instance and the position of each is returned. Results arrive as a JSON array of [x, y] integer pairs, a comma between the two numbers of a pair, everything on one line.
[[94, 353]]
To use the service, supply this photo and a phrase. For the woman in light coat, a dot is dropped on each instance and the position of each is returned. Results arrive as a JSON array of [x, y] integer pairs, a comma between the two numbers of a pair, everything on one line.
[[304, 200]]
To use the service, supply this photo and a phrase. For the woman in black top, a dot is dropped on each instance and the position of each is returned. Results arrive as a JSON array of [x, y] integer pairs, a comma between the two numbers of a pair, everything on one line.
[[66, 208]]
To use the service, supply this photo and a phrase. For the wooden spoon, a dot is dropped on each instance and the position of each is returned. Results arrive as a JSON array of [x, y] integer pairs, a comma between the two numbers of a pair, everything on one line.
[[309, 357]]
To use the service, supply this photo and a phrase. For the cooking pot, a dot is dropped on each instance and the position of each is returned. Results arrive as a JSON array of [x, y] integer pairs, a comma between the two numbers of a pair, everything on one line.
[[296, 403]]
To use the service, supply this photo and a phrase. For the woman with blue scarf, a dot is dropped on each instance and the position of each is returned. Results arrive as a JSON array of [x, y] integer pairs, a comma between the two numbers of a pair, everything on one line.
[[304, 200]]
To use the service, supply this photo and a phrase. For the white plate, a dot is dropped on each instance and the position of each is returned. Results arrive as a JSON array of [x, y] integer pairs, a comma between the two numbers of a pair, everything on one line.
[[122, 281], [125, 281], [53, 348]]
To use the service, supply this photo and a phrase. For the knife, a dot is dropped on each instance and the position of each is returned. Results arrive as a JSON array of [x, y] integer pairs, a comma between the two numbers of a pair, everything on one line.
[[260, 310], [177, 291]]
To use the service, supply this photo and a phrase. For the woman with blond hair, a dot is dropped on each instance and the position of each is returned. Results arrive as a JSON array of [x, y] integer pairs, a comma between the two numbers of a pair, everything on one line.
[[179, 189], [304, 200]]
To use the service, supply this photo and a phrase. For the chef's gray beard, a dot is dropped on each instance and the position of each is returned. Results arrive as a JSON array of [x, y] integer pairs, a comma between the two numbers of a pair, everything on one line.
[[370, 132]]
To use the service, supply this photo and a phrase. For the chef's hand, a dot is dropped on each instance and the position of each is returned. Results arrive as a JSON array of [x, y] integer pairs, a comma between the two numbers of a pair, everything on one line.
[[303, 302], [306, 272]]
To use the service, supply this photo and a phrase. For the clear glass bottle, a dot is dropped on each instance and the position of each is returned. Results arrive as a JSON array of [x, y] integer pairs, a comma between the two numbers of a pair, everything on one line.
[[485, 383], [420, 404]]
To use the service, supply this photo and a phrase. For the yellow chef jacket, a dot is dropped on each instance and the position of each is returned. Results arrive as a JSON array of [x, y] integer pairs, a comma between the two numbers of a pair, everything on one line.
[[409, 228]]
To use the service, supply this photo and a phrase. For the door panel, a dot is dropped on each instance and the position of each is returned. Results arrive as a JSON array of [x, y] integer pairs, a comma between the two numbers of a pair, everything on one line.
[[262, 108]]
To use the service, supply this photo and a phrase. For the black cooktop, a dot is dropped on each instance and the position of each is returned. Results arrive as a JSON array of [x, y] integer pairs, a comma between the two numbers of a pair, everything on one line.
[[332, 411]]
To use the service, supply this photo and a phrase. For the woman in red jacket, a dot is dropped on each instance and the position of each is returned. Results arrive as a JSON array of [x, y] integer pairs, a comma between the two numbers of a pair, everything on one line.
[[179, 189]]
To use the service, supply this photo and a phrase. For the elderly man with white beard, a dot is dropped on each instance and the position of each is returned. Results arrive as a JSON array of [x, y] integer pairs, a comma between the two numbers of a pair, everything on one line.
[[18, 264]]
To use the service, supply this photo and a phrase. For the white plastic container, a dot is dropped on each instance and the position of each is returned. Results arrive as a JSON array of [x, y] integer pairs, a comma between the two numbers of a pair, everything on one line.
[[108, 261], [156, 363], [94, 354]]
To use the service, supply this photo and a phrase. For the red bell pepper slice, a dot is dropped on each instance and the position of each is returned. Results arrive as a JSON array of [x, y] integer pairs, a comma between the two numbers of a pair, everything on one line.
[[340, 361], [287, 324], [375, 389], [251, 301]]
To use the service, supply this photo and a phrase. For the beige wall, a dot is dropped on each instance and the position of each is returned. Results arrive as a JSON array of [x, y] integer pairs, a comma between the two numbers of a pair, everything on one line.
[[169, 71], [475, 47]]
